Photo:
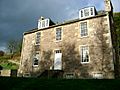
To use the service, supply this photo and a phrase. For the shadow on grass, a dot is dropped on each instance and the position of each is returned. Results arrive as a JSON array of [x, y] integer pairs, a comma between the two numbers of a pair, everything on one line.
[[59, 84]]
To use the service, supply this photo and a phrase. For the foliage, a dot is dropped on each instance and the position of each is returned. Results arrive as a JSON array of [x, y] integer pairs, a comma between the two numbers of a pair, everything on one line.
[[9, 65], [14, 46], [117, 29], [2, 53], [117, 26], [6, 64], [4, 58]]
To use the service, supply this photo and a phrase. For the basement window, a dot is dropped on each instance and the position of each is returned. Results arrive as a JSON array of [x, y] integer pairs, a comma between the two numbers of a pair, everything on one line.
[[26, 75], [97, 75], [69, 76]]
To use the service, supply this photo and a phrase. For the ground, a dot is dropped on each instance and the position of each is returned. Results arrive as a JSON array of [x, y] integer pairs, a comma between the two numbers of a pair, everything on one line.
[[58, 84]]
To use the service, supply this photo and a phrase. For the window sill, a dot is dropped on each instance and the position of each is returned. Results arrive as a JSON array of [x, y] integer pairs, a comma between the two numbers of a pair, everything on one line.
[[85, 62], [82, 37], [58, 41], [35, 66]]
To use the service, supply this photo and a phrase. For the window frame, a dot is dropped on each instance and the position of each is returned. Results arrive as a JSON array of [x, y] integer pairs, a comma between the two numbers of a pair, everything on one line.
[[37, 57], [86, 12], [85, 33], [35, 65], [90, 13], [57, 51], [81, 56], [61, 34], [43, 23], [38, 38]]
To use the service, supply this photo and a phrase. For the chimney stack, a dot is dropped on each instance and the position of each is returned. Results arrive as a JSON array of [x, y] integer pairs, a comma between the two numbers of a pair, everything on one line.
[[108, 6]]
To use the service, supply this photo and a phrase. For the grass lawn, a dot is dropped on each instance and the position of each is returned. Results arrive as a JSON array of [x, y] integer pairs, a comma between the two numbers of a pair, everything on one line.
[[9, 65], [6, 64], [57, 84]]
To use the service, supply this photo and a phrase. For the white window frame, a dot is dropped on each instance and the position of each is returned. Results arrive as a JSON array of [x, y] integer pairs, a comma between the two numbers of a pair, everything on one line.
[[56, 34], [97, 75], [81, 54], [58, 51], [38, 38], [85, 30], [43, 23], [86, 12], [35, 65], [89, 10], [37, 56]]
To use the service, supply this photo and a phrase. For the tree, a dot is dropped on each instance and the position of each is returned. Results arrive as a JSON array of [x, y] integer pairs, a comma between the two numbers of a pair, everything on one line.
[[117, 30], [117, 27], [2, 53], [14, 46]]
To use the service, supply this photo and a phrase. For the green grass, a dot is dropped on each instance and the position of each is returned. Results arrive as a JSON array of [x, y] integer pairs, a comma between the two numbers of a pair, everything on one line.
[[58, 84], [6, 64], [9, 65]]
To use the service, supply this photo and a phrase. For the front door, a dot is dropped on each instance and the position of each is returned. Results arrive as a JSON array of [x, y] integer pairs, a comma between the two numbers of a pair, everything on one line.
[[58, 60]]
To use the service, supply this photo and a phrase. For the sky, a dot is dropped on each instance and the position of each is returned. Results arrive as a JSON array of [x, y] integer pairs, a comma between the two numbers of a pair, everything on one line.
[[18, 16]]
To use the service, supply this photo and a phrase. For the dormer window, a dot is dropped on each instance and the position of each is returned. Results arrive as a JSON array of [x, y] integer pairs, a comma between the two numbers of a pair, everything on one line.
[[43, 23], [87, 12]]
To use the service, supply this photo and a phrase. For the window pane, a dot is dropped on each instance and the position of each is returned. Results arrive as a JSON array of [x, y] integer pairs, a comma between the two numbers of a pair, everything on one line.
[[43, 23], [84, 54], [81, 13], [86, 11], [58, 33], [38, 35], [35, 61], [84, 31], [47, 23], [57, 51], [91, 11]]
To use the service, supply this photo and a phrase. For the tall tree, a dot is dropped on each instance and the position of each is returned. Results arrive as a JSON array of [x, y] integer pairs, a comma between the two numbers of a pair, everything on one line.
[[14, 46], [117, 27]]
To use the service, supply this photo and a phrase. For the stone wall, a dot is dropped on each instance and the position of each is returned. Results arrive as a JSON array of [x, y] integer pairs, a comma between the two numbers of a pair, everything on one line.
[[8, 73]]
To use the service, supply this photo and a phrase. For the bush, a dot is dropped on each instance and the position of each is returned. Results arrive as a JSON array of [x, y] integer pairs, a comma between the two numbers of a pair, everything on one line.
[[2, 53]]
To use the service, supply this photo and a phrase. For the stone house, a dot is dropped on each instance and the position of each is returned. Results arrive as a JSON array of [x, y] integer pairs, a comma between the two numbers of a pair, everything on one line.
[[80, 48]]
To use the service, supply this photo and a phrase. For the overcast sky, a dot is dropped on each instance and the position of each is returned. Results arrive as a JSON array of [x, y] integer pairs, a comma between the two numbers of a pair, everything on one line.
[[18, 16]]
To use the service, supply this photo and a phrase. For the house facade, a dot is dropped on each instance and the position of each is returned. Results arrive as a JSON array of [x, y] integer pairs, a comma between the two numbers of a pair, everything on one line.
[[80, 48]]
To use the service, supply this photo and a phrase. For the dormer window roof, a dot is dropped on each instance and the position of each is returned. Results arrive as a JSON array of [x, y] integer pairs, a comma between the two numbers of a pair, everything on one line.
[[87, 12]]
